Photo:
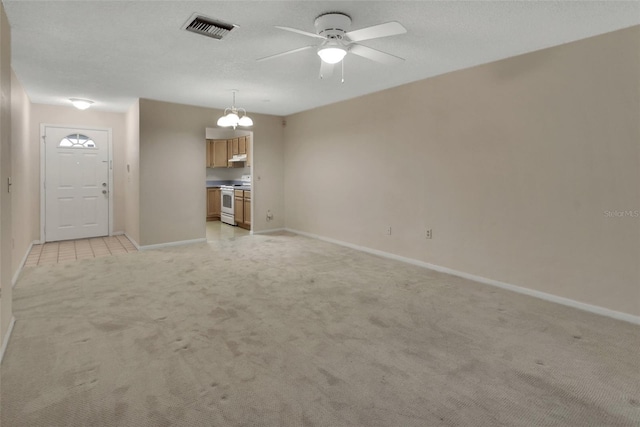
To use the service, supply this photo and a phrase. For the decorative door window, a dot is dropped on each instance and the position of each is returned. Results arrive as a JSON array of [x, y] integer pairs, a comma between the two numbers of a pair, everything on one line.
[[76, 140]]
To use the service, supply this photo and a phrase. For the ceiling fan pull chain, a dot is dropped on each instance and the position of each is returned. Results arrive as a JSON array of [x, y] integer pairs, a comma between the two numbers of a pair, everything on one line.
[[342, 71]]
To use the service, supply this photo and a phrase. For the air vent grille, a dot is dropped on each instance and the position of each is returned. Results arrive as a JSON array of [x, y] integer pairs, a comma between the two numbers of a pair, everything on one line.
[[208, 26]]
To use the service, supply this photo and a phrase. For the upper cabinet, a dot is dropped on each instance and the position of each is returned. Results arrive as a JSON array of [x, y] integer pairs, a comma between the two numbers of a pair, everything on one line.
[[215, 156], [247, 149], [221, 151], [220, 159], [242, 144], [234, 144], [209, 153]]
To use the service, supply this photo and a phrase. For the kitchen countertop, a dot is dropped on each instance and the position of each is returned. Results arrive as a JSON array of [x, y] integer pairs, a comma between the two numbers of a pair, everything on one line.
[[218, 183]]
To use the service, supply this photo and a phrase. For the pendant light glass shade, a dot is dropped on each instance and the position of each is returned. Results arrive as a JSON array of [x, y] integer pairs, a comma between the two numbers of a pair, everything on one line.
[[222, 122], [232, 118], [245, 121]]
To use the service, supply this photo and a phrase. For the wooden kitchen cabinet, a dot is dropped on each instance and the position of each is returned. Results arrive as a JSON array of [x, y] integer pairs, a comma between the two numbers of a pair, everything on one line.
[[220, 157], [213, 204], [209, 153], [238, 206], [220, 151], [247, 210], [242, 145], [230, 143], [242, 208], [248, 147]]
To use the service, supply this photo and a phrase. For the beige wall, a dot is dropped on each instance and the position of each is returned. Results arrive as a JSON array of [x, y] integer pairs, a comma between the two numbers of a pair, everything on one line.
[[132, 173], [59, 115], [5, 172], [512, 164], [25, 158], [173, 170], [268, 173]]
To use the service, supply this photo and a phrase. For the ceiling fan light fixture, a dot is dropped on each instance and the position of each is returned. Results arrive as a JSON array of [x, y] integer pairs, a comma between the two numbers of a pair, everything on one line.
[[332, 54], [81, 104]]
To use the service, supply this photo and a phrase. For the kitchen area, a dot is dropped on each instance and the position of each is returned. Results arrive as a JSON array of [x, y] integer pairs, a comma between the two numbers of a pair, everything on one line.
[[228, 183]]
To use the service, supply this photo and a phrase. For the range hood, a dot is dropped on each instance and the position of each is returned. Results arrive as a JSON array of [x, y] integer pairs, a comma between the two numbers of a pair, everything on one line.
[[238, 158]]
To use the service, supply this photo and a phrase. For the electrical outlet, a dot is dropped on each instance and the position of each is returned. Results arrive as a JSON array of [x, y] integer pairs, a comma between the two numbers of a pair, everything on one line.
[[389, 231], [428, 234], [269, 216]]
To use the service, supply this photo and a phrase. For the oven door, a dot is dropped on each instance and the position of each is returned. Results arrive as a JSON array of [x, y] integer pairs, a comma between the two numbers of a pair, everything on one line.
[[226, 207], [227, 201]]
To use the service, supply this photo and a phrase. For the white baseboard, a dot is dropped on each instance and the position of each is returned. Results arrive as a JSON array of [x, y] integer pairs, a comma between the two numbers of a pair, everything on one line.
[[166, 245], [531, 292], [14, 280], [5, 341], [271, 230], [118, 233], [132, 240]]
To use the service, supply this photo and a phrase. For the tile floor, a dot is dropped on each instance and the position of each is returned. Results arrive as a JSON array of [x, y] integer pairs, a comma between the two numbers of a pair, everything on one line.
[[217, 230], [72, 250]]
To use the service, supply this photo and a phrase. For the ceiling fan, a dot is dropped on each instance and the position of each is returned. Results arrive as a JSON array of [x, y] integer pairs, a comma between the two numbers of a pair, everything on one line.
[[333, 29]]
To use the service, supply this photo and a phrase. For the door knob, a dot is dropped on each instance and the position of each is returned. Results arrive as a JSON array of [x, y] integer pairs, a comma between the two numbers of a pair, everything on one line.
[[104, 191]]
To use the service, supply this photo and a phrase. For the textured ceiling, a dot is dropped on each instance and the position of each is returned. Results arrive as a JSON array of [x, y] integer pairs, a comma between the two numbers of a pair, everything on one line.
[[113, 52]]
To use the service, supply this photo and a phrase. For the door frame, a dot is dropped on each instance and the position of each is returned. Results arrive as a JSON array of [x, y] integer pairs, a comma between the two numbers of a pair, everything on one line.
[[43, 175], [226, 133]]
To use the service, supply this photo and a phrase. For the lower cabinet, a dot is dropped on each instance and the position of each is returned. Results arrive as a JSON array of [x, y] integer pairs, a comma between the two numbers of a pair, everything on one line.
[[213, 204], [242, 208], [247, 209], [238, 207]]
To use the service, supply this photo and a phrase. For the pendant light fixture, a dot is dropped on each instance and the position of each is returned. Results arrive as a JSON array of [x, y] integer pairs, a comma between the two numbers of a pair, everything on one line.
[[231, 117]]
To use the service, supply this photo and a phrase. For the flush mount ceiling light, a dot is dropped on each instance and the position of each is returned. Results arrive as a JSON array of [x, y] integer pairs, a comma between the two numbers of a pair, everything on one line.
[[231, 118], [81, 104], [332, 51]]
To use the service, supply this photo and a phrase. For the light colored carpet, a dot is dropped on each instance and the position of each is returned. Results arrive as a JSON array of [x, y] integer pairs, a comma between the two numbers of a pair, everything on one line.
[[288, 331]]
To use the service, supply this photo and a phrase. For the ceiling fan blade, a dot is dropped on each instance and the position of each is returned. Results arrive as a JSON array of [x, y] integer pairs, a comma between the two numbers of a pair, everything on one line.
[[277, 55], [305, 33], [382, 30], [326, 70], [375, 55]]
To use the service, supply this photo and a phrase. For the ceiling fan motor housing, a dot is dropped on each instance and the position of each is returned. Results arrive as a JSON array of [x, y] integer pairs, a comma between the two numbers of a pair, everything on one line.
[[333, 25]]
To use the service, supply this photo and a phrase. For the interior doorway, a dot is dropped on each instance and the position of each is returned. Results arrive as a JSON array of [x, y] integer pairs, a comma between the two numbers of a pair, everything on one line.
[[76, 182], [229, 163]]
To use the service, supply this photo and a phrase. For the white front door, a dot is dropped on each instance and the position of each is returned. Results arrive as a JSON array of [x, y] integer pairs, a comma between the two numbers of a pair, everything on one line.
[[76, 183]]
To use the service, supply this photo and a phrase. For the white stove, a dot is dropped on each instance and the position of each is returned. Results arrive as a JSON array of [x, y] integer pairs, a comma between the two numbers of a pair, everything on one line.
[[227, 210]]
